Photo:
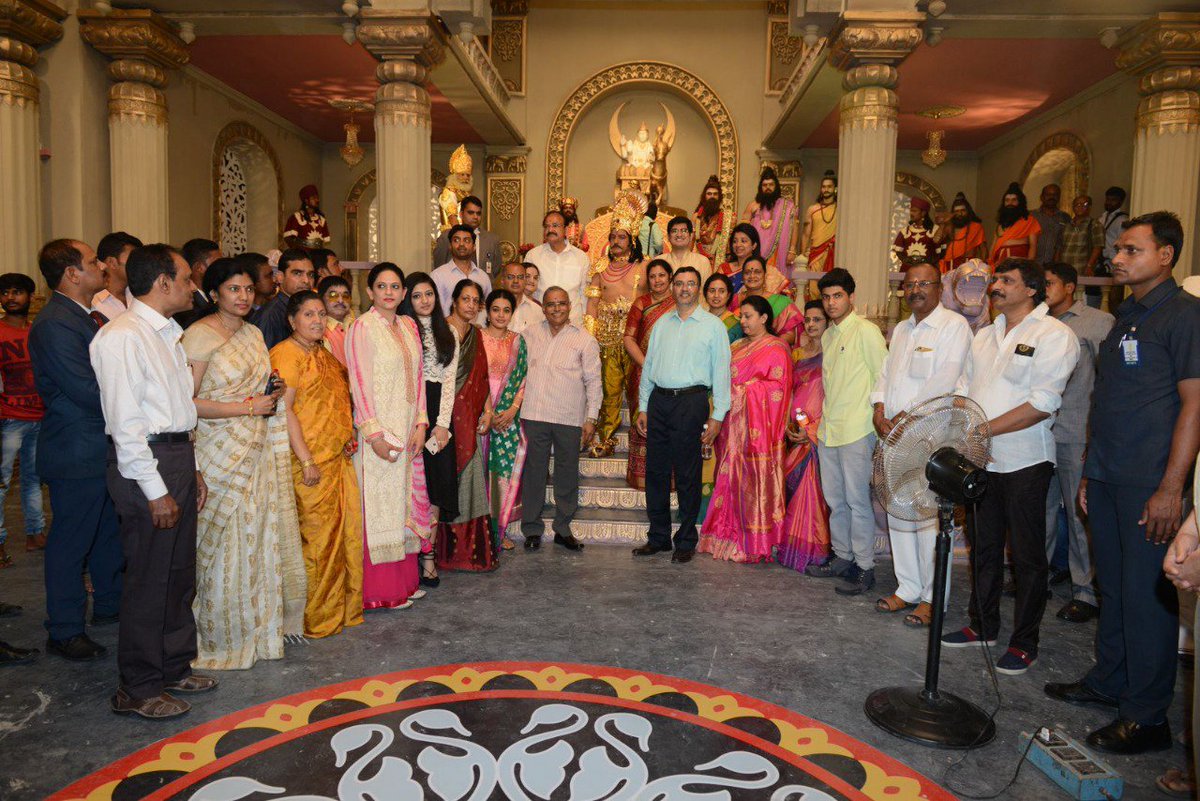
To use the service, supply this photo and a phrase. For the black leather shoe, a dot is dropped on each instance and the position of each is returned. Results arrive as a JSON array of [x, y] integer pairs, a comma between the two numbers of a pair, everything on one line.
[[80, 648], [1127, 737], [9, 610], [12, 655], [1059, 577], [1078, 612], [569, 542], [1078, 693], [648, 550], [105, 620], [533, 543], [683, 557]]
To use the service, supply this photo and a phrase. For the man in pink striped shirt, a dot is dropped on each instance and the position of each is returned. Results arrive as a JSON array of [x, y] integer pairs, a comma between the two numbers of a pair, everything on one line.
[[562, 398]]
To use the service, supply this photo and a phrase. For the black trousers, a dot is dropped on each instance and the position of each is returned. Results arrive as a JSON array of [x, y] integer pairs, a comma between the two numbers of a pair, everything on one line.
[[540, 439], [1138, 635], [157, 641], [83, 533], [1015, 503], [673, 429]]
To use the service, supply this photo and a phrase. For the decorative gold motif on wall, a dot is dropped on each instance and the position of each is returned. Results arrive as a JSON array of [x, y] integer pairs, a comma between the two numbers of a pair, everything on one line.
[[510, 7], [784, 52], [504, 197], [644, 73], [134, 34], [229, 135], [877, 41], [1063, 140], [906, 181], [35, 22], [506, 47]]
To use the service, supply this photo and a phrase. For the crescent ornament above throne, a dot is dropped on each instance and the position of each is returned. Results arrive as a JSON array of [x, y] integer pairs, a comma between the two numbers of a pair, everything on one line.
[[643, 159]]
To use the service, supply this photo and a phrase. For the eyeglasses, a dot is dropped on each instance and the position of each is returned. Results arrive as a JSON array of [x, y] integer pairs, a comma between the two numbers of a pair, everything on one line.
[[910, 285], [337, 295], [554, 304]]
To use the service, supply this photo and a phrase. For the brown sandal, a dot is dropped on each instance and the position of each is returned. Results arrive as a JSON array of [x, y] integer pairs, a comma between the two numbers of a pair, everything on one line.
[[892, 603], [920, 617]]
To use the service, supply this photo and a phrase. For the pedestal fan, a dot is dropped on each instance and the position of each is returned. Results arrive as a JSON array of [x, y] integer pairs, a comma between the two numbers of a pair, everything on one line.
[[930, 462]]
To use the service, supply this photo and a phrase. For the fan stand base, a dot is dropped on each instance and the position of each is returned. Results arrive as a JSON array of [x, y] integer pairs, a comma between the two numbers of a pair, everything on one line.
[[938, 719]]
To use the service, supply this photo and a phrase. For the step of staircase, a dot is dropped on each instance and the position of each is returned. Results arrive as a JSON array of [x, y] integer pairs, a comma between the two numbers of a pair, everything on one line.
[[609, 467], [602, 526], [608, 493]]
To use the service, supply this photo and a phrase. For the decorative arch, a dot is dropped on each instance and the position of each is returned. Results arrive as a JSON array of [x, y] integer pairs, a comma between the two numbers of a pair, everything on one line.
[[437, 179], [644, 73], [238, 132], [906, 181], [1073, 144]]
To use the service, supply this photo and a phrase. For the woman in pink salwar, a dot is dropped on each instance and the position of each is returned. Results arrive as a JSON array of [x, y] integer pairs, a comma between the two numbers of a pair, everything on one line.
[[383, 357], [806, 526], [745, 515]]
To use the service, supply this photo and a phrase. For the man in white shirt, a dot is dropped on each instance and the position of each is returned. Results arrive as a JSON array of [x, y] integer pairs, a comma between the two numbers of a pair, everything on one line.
[[527, 313], [149, 416], [1017, 371], [561, 264], [114, 250], [487, 243], [681, 235], [924, 361], [461, 265]]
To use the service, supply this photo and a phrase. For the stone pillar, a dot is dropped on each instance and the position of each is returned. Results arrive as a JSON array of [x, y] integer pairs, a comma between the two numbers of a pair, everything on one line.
[[868, 50], [144, 48], [25, 25], [505, 170], [1164, 53], [408, 47]]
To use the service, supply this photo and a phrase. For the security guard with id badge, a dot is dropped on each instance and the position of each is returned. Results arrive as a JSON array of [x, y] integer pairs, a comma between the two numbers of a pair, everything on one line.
[[1145, 431]]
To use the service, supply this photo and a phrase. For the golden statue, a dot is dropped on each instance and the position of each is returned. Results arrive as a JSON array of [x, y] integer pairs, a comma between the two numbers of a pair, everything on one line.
[[643, 160], [458, 186]]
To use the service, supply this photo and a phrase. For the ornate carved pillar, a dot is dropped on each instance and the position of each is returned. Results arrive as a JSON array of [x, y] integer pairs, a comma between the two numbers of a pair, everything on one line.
[[407, 46], [868, 50], [1164, 52], [25, 25], [144, 48], [505, 170]]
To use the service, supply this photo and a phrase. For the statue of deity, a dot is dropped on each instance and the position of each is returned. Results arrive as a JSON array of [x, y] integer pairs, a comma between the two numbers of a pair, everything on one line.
[[643, 160], [819, 238], [458, 186]]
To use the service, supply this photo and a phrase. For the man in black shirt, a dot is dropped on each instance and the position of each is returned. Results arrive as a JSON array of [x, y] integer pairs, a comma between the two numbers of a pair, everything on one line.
[[297, 274], [1145, 431]]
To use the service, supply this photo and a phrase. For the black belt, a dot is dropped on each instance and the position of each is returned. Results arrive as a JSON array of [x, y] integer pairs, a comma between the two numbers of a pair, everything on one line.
[[675, 393], [169, 436]]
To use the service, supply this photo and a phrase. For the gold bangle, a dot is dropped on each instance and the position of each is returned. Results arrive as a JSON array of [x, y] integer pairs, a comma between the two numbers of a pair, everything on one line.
[[249, 407], [307, 463]]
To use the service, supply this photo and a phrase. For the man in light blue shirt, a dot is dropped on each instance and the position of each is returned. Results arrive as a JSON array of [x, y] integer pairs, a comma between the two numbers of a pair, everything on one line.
[[688, 357]]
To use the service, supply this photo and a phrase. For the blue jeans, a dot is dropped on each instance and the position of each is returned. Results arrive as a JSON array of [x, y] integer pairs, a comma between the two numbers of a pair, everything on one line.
[[20, 437]]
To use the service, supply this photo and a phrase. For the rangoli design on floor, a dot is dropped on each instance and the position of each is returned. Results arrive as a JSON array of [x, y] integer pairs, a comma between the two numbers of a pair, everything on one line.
[[509, 730]]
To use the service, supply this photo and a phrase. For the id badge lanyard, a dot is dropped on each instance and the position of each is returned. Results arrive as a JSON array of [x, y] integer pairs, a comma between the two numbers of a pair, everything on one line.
[[1129, 343]]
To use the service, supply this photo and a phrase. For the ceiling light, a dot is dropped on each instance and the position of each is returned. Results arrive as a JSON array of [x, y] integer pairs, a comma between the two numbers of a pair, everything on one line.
[[349, 33], [811, 35], [1109, 37], [934, 155], [352, 152], [187, 32], [936, 8], [933, 35]]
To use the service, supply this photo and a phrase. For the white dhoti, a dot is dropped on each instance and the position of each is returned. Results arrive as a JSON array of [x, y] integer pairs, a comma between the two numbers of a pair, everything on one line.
[[913, 546]]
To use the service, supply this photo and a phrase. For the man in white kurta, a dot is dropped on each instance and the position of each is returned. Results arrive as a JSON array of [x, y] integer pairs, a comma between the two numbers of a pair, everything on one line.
[[561, 264], [924, 361]]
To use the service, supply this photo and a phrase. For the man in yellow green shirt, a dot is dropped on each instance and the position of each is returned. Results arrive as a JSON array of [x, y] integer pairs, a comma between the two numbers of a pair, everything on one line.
[[853, 352]]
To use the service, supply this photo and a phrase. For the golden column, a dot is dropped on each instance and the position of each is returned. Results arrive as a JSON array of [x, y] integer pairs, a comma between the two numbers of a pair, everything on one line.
[[868, 48], [25, 25], [144, 48], [408, 47], [1164, 52]]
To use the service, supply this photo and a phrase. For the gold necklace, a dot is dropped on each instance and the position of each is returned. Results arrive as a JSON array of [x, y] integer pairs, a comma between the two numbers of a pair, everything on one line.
[[221, 320], [304, 347]]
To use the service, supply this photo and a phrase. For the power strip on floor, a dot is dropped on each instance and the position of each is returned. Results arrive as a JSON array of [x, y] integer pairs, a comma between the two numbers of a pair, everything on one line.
[[1071, 766]]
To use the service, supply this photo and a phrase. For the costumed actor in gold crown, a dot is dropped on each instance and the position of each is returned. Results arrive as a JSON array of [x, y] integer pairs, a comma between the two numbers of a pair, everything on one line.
[[458, 186], [616, 278]]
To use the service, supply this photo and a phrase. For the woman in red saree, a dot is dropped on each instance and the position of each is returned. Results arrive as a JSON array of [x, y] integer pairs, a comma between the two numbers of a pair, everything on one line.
[[745, 516], [643, 314], [806, 525], [466, 542]]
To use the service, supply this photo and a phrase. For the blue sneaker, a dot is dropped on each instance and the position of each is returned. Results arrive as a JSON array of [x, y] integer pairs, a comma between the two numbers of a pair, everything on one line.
[[1015, 662], [966, 637]]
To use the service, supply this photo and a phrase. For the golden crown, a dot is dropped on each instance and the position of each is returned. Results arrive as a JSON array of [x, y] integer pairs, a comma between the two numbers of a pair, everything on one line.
[[460, 160], [627, 214]]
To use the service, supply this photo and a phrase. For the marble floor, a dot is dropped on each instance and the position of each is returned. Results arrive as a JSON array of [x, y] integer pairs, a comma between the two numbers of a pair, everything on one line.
[[760, 630]]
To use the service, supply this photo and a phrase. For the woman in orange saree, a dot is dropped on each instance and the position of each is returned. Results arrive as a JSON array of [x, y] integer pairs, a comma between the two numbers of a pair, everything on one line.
[[745, 516], [646, 310]]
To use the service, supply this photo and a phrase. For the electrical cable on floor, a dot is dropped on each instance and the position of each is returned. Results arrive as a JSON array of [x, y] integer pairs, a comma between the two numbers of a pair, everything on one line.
[[991, 668]]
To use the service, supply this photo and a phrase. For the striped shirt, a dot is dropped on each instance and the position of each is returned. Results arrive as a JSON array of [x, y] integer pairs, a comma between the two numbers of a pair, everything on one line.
[[563, 383]]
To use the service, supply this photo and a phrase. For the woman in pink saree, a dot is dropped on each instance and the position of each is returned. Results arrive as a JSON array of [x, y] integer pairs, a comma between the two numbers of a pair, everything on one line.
[[745, 515], [806, 525]]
